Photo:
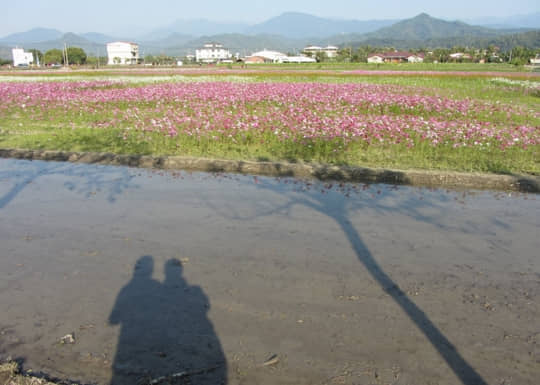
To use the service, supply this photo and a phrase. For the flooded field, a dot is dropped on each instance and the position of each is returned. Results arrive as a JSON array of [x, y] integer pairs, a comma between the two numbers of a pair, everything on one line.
[[249, 280]]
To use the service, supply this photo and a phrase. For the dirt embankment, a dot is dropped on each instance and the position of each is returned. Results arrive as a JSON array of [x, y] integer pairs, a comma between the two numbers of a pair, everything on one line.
[[524, 183]]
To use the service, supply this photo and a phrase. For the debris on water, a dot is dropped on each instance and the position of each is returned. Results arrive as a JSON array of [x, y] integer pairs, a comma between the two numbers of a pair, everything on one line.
[[68, 339], [175, 377], [87, 326], [272, 360]]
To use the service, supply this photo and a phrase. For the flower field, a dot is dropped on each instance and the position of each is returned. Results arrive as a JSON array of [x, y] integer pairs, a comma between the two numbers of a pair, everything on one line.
[[392, 124]]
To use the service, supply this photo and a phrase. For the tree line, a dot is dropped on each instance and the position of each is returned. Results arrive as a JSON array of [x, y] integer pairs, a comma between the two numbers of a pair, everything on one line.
[[75, 55], [518, 55], [492, 54]]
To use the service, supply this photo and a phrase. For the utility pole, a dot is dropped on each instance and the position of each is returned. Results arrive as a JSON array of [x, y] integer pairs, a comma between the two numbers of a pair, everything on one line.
[[66, 60]]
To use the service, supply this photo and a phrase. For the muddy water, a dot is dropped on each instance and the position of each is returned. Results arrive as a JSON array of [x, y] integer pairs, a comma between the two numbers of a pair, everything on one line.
[[158, 273]]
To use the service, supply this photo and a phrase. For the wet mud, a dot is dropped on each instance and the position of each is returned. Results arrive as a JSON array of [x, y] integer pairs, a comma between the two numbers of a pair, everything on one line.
[[220, 278]]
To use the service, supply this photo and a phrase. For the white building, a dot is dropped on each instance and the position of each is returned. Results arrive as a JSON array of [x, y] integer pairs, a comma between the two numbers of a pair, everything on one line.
[[267, 56], [330, 51], [416, 58], [270, 56], [535, 60], [212, 53], [375, 58], [298, 59], [460, 55], [120, 52], [21, 58]]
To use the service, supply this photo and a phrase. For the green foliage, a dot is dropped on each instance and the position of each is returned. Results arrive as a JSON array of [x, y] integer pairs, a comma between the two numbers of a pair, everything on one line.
[[149, 59], [38, 55], [321, 57], [53, 56], [95, 61], [520, 55], [504, 43], [76, 55], [159, 60]]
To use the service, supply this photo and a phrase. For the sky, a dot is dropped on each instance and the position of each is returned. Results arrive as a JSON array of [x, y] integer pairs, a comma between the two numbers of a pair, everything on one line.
[[110, 16]]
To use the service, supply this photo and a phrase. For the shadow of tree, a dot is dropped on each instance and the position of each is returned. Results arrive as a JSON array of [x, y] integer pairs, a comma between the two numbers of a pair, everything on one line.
[[338, 207], [85, 179]]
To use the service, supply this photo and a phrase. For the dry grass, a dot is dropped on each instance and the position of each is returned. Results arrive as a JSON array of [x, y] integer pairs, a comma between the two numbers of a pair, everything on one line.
[[10, 375]]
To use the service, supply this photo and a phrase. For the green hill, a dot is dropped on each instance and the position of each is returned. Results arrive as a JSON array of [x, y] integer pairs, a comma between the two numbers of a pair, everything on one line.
[[529, 39], [425, 27]]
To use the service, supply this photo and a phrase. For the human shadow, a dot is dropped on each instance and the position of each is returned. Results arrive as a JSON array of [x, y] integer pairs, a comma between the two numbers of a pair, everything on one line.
[[322, 198], [82, 178], [165, 334]]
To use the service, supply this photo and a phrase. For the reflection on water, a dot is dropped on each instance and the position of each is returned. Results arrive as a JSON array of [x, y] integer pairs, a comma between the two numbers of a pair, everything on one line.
[[118, 214], [84, 179]]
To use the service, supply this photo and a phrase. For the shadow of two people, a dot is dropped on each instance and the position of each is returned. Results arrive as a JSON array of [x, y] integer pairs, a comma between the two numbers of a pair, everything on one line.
[[165, 330]]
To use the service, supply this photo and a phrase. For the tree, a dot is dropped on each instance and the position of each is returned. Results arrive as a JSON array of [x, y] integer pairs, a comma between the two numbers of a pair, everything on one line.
[[53, 56], [76, 55], [519, 55], [363, 52], [344, 54], [165, 60], [321, 56], [96, 61], [442, 55], [38, 56], [149, 59]]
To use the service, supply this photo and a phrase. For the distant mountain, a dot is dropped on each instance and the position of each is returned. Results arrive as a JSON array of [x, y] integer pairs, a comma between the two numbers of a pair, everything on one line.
[[517, 21], [196, 27], [289, 32], [71, 40], [5, 53], [172, 40], [236, 43], [424, 27], [301, 25], [31, 36], [99, 37]]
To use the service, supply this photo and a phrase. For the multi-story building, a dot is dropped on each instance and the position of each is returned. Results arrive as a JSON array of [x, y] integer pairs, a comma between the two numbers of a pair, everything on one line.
[[330, 51], [21, 58], [120, 52], [212, 53]]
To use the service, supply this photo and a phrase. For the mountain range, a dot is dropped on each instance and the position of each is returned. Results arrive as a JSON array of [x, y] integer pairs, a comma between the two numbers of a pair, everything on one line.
[[517, 21], [290, 32]]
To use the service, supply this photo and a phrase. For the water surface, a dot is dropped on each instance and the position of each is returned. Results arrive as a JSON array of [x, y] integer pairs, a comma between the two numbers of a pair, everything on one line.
[[162, 272]]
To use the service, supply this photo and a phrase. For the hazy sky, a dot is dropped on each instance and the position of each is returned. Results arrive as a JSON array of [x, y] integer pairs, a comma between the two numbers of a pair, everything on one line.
[[110, 16]]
